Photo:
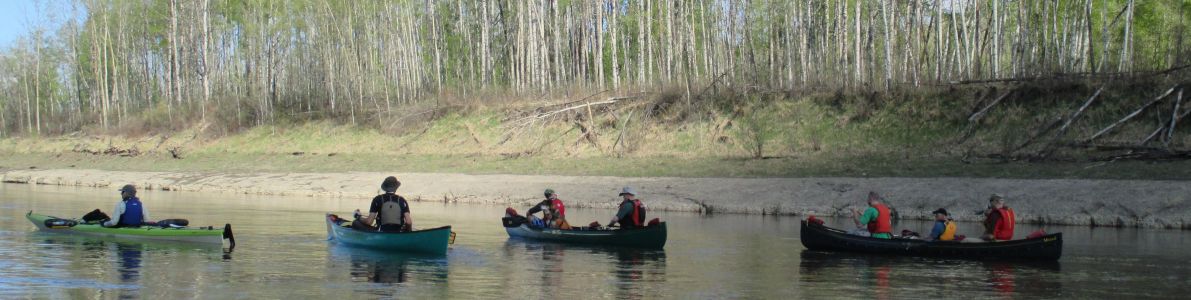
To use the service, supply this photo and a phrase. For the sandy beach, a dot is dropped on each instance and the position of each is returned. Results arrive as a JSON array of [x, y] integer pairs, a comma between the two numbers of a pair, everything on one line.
[[1122, 203]]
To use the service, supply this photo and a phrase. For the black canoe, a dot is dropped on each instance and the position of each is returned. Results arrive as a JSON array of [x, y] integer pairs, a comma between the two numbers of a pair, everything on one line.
[[652, 237], [822, 238]]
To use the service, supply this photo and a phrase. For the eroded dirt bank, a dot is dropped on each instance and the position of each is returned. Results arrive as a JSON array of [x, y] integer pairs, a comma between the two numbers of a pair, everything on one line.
[[1129, 203]]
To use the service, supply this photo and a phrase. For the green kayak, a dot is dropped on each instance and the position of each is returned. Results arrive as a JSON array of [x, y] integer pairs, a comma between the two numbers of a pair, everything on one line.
[[429, 241], [208, 234]]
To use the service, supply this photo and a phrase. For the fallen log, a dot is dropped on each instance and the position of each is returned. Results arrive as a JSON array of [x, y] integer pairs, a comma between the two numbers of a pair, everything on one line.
[[1063, 130], [1174, 118], [1131, 115]]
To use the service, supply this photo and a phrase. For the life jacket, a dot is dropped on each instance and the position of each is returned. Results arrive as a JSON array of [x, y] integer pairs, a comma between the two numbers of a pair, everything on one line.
[[883, 223], [637, 218], [390, 210], [948, 231], [1004, 228], [559, 209], [134, 214]]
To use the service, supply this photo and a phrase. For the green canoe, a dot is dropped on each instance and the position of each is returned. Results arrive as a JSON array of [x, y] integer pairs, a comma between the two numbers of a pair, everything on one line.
[[428, 241], [652, 237], [208, 234]]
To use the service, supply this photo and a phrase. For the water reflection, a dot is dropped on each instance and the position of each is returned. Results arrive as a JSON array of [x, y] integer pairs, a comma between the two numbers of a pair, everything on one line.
[[893, 277], [374, 266], [129, 258], [636, 266], [633, 270], [129, 262], [721, 257]]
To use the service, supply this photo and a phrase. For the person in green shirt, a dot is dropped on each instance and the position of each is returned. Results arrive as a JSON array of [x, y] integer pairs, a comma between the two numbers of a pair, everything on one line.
[[876, 219]]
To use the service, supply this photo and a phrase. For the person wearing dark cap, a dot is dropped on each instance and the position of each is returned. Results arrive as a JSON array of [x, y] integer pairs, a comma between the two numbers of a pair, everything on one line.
[[554, 213], [389, 211], [944, 229], [631, 213], [129, 212], [998, 220]]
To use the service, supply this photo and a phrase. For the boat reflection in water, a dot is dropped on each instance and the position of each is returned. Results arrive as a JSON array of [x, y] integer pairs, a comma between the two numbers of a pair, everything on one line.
[[389, 269], [634, 266], [897, 277], [633, 269]]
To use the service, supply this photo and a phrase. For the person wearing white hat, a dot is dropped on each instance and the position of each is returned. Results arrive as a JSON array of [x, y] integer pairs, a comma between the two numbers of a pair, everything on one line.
[[631, 213]]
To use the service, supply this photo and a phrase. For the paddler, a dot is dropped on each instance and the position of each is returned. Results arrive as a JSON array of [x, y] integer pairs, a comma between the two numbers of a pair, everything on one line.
[[632, 212], [944, 229], [876, 220], [998, 220], [129, 212], [392, 209], [554, 213]]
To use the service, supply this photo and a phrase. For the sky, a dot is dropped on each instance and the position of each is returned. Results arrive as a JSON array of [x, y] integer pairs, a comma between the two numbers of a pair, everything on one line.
[[13, 17]]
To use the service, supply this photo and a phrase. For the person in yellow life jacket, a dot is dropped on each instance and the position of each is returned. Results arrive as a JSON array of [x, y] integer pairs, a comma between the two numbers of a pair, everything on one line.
[[998, 220], [876, 219], [389, 211], [944, 229]]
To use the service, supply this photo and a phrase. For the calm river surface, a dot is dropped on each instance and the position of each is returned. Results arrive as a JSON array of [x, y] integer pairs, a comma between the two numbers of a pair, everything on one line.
[[282, 252]]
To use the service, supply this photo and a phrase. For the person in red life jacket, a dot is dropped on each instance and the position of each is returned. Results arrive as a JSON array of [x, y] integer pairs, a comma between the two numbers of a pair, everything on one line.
[[129, 211], [876, 219], [388, 210], [632, 212], [554, 213], [998, 220]]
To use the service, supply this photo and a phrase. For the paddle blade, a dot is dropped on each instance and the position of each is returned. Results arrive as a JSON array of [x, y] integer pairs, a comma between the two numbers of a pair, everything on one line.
[[510, 222], [228, 236]]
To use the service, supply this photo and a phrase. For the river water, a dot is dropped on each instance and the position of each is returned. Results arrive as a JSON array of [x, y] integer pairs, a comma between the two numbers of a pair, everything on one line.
[[282, 252]]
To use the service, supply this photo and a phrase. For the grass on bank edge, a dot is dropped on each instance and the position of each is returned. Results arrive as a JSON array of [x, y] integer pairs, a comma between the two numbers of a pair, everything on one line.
[[911, 135], [600, 166]]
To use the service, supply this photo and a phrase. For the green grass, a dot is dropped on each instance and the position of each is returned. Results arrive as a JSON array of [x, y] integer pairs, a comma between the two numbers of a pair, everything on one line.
[[910, 135], [866, 166]]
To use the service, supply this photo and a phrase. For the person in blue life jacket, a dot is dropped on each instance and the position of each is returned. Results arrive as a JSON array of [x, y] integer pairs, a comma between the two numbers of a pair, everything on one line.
[[130, 212], [389, 211], [631, 213]]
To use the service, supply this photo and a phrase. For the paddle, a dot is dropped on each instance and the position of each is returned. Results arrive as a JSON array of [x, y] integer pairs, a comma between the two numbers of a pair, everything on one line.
[[510, 222], [228, 236]]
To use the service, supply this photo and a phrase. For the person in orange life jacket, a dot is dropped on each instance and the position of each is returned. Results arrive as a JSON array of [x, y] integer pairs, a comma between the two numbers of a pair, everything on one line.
[[998, 220], [129, 211], [876, 219], [388, 210], [554, 213], [944, 229], [632, 211]]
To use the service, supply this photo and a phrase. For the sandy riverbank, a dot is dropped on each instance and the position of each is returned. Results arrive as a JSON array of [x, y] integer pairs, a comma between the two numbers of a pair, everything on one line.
[[1128, 203]]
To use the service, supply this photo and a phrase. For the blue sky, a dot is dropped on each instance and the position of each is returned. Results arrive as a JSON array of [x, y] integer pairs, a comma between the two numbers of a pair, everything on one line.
[[13, 17]]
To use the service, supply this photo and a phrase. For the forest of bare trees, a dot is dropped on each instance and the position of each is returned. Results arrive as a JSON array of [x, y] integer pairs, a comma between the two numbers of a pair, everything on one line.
[[100, 63]]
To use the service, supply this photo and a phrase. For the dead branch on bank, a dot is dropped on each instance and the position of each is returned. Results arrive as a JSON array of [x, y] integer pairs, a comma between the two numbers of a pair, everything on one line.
[[1131, 115]]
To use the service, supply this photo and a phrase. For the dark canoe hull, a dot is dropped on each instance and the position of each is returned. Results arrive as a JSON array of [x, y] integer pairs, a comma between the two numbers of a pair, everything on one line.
[[430, 241], [822, 238], [652, 237]]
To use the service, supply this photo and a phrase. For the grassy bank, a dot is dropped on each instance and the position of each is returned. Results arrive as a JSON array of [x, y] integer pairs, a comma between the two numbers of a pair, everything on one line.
[[900, 134], [602, 166]]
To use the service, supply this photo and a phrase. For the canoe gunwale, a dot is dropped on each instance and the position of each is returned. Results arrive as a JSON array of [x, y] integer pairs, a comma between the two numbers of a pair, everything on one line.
[[408, 241], [652, 237], [823, 238]]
